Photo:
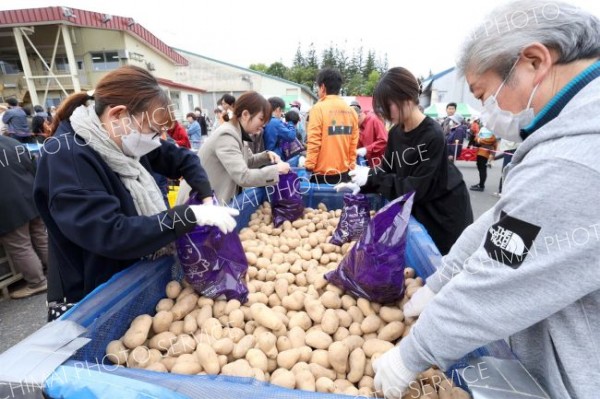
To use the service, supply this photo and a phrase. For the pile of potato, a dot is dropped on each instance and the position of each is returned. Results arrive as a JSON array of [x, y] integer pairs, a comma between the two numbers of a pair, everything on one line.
[[296, 330]]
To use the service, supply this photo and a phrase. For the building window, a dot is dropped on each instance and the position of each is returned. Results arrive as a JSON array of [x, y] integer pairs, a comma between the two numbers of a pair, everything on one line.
[[105, 61], [10, 67], [191, 102]]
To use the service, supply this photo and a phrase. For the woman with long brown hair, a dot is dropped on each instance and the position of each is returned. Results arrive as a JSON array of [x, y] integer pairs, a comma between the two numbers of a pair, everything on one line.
[[94, 189]]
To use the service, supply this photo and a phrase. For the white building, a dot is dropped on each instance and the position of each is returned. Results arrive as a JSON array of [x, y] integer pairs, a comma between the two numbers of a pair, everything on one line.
[[445, 87]]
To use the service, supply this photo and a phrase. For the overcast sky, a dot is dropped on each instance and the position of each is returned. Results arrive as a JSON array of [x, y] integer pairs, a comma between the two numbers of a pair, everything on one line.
[[421, 35]]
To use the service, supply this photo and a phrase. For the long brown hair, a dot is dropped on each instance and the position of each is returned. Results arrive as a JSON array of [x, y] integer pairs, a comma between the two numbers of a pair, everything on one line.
[[128, 85]]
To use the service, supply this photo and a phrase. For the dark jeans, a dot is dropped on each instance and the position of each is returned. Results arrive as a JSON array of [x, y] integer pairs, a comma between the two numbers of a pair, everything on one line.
[[482, 168], [331, 179], [508, 154]]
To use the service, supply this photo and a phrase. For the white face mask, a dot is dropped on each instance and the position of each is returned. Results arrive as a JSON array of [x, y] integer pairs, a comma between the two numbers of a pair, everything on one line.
[[505, 124], [136, 144]]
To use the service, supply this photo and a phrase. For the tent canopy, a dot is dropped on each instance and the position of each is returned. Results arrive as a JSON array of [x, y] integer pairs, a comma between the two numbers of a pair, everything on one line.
[[438, 110]]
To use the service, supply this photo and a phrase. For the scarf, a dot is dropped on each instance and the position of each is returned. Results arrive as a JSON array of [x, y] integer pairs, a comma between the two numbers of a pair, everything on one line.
[[137, 180]]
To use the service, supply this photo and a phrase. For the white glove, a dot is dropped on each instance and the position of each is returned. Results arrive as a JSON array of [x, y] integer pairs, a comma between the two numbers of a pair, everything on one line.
[[360, 175], [391, 375], [301, 161], [347, 187], [418, 301], [361, 152], [218, 216]]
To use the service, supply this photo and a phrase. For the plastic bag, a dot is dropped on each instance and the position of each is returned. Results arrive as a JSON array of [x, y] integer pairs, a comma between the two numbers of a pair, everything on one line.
[[286, 200], [354, 219], [374, 267], [213, 263], [290, 149]]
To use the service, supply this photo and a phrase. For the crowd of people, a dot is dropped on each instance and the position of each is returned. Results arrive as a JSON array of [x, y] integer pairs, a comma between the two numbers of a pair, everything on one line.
[[105, 171]]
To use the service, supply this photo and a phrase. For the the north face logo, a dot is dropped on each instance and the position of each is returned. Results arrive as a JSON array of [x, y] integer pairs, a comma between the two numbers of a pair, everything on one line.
[[508, 241]]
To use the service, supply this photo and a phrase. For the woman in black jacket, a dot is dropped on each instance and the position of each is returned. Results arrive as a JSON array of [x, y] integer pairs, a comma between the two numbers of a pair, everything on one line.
[[95, 192], [416, 159]]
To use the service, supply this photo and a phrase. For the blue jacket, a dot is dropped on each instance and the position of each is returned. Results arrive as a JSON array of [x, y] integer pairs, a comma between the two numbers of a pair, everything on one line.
[[277, 131], [16, 123], [194, 131], [458, 133], [93, 227]]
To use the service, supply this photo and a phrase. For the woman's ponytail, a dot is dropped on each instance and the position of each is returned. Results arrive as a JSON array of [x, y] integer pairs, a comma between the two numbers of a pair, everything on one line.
[[67, 107]]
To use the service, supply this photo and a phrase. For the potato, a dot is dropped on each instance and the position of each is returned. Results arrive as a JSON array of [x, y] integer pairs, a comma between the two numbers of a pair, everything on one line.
[[158, 366], [356, 314], [297, 337], [257, 359], [204, 314], [305, 381], [357, 362], [365, 307], [241, 348], [389, 314], [355, 329], [338, 357], [370, 324], [223, 346], [392, 331], [116, 352], [184, 306], [173, 289], [137, 334], [262, 263], [295, 301], [184, 292], [138, 357], [265, 317], [284, 378], [373, 346], [266, 342], [183, 344], [320, 357], [288, 358], [162, 341], [325, 385], [319, 371], [190, 325], [212, 327], [208, 359], [186, 368], [164, 304], [236, 318], [330, 322], [345, 320], [318, 339], [353, 342], [283, 343], [341, 333], [314, 309]]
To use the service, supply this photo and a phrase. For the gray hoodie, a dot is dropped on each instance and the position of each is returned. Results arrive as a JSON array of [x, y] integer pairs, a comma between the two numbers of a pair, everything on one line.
[[528, 270]]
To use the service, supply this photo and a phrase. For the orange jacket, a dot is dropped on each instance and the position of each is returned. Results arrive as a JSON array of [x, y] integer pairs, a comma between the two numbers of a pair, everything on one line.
[[486, 146], [332, 137]]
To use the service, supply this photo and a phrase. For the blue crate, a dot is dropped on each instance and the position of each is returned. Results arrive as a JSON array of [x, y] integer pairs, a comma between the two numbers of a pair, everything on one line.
[[109, 309]]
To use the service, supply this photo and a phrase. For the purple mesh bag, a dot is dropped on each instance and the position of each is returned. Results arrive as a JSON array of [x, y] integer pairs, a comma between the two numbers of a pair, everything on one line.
[[286, 202], [292, 148], [374, 267], [213, 263], [354, 219]]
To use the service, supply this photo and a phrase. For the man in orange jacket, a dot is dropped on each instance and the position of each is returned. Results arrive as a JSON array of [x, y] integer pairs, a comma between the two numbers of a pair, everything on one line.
[[332, 135]]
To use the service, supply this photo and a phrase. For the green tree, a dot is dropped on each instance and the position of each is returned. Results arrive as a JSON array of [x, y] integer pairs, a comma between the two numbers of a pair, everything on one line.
[[355, 85], [369, 64], [299, 60], [312, 61], [328, 60], [277, 69], [371, 83], [259, 67]]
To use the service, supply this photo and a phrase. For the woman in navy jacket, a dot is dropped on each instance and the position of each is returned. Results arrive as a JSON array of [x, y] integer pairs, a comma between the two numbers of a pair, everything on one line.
[[94, 190]]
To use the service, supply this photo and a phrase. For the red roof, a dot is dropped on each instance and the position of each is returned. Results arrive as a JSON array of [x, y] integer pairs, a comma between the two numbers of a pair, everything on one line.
[[87, 19], [175, 85]]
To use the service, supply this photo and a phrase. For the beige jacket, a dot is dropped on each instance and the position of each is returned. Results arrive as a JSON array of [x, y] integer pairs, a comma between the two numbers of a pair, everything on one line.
[[230, 165]]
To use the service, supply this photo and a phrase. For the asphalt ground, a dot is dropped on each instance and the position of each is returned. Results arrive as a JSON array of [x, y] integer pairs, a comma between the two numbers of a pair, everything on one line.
[[19, 318]]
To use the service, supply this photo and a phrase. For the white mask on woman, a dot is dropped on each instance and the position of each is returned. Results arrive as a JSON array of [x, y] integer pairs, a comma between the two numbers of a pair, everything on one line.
[[137, 144]]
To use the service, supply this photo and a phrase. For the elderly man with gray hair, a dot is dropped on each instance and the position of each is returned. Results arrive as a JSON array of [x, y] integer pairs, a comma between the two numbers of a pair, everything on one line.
[[528, 270]]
